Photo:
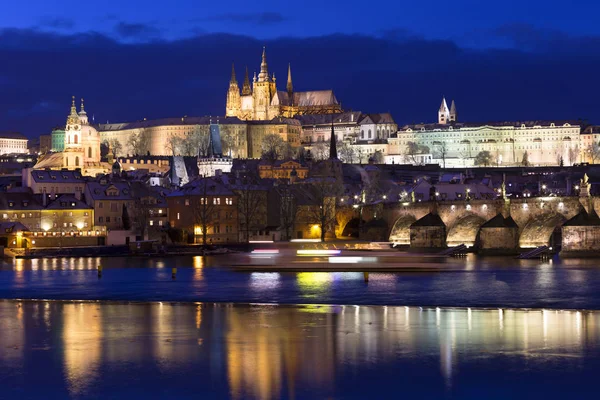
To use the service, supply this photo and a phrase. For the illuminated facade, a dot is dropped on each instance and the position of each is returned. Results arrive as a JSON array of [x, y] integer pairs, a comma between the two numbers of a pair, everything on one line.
[[81, 146], [457, 144], [11, 142], [262, 100]]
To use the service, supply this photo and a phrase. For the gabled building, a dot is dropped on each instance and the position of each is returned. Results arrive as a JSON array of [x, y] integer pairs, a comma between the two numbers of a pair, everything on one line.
[[54, 181], [204, 208]]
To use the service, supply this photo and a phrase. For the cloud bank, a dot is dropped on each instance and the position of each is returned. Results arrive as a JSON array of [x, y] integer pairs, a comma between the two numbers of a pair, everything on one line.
[[545, 77]]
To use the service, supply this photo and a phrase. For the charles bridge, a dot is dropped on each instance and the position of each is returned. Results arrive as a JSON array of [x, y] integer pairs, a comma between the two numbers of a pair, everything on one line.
[[501, 223]]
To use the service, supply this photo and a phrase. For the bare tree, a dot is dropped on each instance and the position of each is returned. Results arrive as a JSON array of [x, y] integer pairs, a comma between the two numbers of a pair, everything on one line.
[[322, 210], [251, 207], [378, 157], [114, 147], [346, 152], [440, 151], [593, 151], [139, 143], [573, 154], [272, 147], [320, 151], [204, 208], [288, 209], [413, 150], [484, 158]]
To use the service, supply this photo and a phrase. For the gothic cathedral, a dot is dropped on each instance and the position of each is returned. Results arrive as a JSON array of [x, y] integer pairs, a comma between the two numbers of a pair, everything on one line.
[[263, 101]]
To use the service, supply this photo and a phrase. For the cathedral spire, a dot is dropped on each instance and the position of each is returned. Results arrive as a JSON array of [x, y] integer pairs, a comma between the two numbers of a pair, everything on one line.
[[264, 70], [246, 88], [453, 113], [233, 74], [82, 107], [290, 87], [332, 145]]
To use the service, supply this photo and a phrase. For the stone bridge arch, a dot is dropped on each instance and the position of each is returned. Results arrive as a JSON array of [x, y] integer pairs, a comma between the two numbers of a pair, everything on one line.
[[539, 229], [400, 232], [465, 229]]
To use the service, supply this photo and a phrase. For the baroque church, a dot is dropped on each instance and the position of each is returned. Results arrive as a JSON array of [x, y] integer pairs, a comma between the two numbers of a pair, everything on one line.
[[262, 100], [82, 146]]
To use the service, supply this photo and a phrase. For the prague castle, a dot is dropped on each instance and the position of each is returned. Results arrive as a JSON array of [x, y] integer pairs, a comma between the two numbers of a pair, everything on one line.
[[262, 101]]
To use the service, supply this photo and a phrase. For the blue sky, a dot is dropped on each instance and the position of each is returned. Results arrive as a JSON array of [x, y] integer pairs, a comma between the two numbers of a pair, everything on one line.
[[468, 22], [510, 60]]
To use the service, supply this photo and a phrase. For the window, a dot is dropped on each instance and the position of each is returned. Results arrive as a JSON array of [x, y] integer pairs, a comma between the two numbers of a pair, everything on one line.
[[100, 205], [187, 202], [85, 224], [228, 201], [151, 223], [216, 201], [85, 214], [160, 223], [64, 224], [113, 206], [369, 134], [178, 216], [107, 219], [217, 229]]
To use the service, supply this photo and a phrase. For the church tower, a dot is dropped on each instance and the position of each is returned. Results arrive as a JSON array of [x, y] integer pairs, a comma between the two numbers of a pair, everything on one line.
[[246, 88], [453, 114], [289, 87], [263, 92], [73, 152], [443, 113], [234, 104]]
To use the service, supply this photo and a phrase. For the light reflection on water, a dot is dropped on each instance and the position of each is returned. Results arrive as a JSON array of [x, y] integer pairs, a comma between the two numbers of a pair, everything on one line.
[[268, 352]]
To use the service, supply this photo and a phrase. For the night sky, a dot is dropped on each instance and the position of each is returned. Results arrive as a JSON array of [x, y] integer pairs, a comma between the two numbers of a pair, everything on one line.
[[510, 60]]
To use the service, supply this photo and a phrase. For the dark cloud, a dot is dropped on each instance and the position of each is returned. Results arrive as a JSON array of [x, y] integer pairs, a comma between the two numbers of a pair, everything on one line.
[[136, 31], [56, 23], [263, 18], [131, 81]]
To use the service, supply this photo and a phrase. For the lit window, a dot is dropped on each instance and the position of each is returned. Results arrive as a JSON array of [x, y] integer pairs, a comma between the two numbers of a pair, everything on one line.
[[187, 202], [228, 201], [177, 215], [160, 223], [151, 223], [216, 201]]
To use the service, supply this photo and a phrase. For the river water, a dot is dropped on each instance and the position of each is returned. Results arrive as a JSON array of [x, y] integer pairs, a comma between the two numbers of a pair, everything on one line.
[[214, 351], [487, 282], [496, 328]]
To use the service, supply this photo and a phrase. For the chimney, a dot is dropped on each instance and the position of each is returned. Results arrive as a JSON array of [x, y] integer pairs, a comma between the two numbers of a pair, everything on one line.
[[52, 194], [44, 199], [77, 194]]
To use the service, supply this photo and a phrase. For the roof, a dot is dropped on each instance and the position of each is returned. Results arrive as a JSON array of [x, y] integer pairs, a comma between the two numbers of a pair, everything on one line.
[[12, 135], [584, 218], [19, 200], [381, 118], [66, 201], [10, 227], [203, 187], [43, 175], [170, 122], [50, 160], [305, 99], [500, 124], [327, 119], [429, 220], [500, 222], [276, 121], [98, 191]]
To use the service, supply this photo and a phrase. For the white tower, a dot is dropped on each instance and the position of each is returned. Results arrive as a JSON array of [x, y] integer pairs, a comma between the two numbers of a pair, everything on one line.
[[443, 113]]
